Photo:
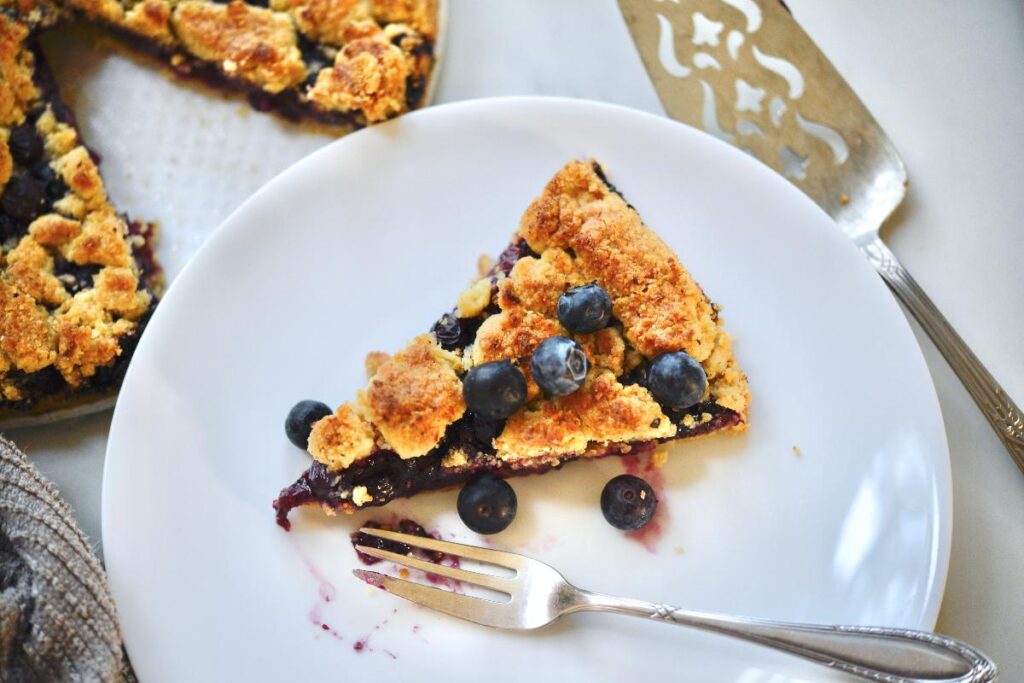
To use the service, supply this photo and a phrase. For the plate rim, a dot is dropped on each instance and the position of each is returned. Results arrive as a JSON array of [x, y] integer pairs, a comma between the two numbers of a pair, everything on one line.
[[224, 231]]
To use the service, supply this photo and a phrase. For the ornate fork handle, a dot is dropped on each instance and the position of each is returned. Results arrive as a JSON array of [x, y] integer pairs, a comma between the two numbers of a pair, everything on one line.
[[997, 407], [883, 655]]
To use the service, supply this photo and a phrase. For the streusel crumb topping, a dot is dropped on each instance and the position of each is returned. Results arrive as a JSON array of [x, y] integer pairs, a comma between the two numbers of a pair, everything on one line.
[[369, 74], [660, 306], [249, 42], [601, 411], [414, 396]]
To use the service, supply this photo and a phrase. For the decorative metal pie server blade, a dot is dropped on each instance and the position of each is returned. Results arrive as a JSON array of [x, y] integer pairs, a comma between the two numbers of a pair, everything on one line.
[[744, 71]]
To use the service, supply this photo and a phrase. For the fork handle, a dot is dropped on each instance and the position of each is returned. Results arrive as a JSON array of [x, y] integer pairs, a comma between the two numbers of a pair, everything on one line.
[[883, 655], [997, 407]]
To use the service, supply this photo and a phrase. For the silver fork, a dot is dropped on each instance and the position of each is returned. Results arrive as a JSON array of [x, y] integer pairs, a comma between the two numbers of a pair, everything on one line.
[[538, 594]]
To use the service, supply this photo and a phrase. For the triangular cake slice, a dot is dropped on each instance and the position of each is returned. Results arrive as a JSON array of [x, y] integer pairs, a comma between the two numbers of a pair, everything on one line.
[[410, 429]]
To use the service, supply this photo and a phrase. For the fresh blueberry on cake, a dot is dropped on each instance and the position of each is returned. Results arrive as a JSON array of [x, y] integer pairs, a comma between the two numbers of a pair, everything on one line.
[[587, 338], [77, 278]]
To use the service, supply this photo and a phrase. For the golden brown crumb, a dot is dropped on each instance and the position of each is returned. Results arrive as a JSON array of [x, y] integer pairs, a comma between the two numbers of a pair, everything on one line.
[[601, 411], [108, 10], [79, 171], [484, 264], [513, 335], [152, 19], [117, 291], [537, 283], [31, 266], [6, 163], [53, 230], [100, 241], [414, 396], [17, 90], [373, 361], [339, 440], [474, 299], [26, 335], [331, 21], [248, 42], [605, 349], [368, 75], [419, 14]]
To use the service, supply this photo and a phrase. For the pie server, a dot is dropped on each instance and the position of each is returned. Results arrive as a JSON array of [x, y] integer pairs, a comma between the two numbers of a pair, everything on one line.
[[744, 71]]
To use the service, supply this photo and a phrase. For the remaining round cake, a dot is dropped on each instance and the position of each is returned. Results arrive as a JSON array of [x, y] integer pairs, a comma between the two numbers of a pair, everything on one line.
[[78, 279]]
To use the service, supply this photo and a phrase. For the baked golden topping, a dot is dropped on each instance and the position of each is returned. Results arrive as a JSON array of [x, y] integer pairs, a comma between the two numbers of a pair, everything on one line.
[[6, 163], [332, 21], [339, 440], [368, 75], [17, 90], [602, 411], [151, 19], [414, 396], [419, 14], [660, 306], [247, 42]]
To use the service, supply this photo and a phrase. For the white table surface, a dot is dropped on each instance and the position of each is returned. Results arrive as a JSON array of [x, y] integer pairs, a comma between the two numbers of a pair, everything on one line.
[[944, 78]]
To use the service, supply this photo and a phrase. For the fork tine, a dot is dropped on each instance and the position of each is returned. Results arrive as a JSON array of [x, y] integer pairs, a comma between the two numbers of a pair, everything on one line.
[[477, 610], [486, 580], [495, 557]]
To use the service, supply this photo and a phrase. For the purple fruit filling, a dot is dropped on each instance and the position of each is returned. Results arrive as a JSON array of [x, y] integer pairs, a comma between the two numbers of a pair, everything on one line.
[[387, 476], [405, 526]]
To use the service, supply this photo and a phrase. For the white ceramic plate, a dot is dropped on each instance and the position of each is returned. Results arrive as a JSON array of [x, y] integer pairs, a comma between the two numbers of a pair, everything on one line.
[[362, 245]]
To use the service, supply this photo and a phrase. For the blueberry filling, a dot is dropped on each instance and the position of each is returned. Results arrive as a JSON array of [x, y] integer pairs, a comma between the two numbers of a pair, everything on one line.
[[405, 526], [25, 146], [23, 198], [75, 277]]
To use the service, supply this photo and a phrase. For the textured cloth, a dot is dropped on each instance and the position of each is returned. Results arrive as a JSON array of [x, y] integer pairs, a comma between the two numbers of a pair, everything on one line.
[[57, 616]]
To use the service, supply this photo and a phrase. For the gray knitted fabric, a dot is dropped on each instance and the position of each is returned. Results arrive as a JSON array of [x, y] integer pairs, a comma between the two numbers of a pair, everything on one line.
[[57, 617]]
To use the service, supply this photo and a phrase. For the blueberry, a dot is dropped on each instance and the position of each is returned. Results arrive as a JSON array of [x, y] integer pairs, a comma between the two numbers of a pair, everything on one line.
[[301, 419], [448, 332], [487, 504], [559, 366], [494, 390], [676, 380], [585, 309], [23, 198], [26, 147], [628, 502]]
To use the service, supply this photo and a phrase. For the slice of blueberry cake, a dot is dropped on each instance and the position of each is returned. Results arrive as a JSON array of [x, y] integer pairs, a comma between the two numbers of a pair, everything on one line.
[[338, 62], [587, 338], [77, 279]]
